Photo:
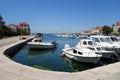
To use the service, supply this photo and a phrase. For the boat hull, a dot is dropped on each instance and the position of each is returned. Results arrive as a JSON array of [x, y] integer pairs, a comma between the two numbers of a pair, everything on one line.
[[106, 54], [93, 60], [117, 50], [41, 45]]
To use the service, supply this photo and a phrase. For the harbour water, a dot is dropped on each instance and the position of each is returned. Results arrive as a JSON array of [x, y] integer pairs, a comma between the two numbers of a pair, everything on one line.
[[51, 59]]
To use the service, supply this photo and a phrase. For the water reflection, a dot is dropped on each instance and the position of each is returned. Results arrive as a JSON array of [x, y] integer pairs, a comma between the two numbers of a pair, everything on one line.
[[35, 52], [78, 66], [108, 61]]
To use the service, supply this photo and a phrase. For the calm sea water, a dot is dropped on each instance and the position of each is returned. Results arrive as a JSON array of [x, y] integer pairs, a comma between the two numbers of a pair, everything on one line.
[[51, 59]]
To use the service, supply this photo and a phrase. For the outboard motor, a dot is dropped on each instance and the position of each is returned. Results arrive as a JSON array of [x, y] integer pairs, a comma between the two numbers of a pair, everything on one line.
[[54, 43]]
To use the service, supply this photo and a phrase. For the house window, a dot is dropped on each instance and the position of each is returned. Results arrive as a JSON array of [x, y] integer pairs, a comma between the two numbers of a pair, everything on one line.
[[21, 25]]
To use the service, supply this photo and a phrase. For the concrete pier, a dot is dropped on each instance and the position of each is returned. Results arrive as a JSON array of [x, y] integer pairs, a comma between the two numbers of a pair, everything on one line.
[[10, 70]]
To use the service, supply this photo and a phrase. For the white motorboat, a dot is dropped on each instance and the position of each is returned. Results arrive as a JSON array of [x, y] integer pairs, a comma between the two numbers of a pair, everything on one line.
[[37, 44], [42, 45], [105, 42], [89, 44], [81, 54], [114, 40]]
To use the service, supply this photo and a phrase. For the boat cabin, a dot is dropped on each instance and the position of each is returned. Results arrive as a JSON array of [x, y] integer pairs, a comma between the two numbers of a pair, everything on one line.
[[85, 43], [100, 39]]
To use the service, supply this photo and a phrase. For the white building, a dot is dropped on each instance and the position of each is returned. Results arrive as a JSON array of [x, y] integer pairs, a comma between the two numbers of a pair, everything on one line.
[[116, 26]]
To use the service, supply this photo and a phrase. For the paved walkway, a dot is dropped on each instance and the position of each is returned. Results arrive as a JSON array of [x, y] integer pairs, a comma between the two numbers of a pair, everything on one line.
[[5, 41], [10, 70]]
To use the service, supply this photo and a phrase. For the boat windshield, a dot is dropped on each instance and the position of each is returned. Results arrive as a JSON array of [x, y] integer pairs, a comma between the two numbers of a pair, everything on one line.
[[98, 48], [91, 48], [105, 40], [95, 39], [90, 43], [114, 39]]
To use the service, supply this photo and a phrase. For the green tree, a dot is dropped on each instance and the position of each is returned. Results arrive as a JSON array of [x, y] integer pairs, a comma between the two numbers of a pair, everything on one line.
[[2, 23], [106, 30], [2, 27], [23, 32], [1, 18], [4, 30]]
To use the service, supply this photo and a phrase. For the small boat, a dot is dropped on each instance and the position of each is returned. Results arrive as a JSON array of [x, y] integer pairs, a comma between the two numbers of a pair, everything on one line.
[[37, 43], [90, 44], [42, 45], [81, 54]]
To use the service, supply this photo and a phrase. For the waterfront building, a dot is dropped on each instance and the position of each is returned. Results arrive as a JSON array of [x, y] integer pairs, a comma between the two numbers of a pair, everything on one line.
[[87, 32], [14, 28], [116, 26], [25, 26], [96, 30], [20, 27]]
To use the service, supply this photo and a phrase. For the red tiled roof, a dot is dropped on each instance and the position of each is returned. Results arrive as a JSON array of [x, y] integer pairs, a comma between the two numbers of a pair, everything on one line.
[[22, 23], [87, 31], [98, 28], [18, 27], [118, 23]]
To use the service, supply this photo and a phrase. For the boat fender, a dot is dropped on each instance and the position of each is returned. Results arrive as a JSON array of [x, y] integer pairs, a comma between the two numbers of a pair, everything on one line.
[[62, 55]]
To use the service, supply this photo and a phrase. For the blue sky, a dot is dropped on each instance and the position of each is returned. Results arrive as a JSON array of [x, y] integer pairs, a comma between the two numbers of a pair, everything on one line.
[[52, 16]]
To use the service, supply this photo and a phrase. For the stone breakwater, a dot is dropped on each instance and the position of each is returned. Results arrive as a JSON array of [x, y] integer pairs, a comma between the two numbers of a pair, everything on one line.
[[10, 70]]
